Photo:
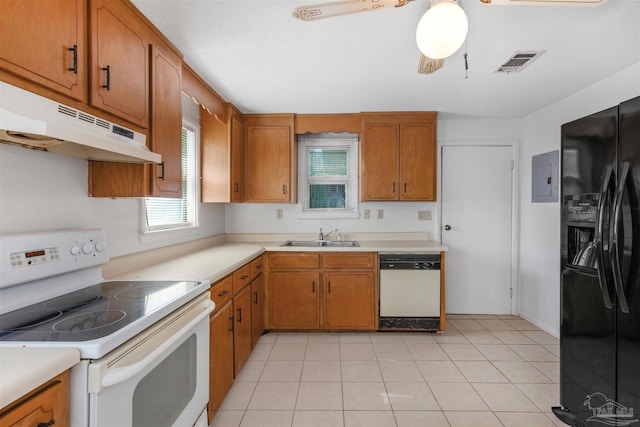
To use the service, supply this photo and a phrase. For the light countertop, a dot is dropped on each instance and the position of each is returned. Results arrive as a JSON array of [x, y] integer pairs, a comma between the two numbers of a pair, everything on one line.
[[23, 369]]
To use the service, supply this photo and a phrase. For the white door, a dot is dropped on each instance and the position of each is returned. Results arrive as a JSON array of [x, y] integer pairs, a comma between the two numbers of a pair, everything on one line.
[[476, 227]]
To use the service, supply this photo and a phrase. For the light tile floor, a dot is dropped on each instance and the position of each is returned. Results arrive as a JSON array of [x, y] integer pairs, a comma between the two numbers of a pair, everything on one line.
[[483, 371]]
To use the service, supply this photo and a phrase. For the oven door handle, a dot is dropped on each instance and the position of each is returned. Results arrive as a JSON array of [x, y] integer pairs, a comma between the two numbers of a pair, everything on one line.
[[119, 375]]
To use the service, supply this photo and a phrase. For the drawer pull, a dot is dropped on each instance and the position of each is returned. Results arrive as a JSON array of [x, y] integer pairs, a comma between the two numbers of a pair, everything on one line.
[[49, 424], [244, 277], [255, 294], [313, 286], [223, 293], [329, 286], [231, 327], [240, 315]]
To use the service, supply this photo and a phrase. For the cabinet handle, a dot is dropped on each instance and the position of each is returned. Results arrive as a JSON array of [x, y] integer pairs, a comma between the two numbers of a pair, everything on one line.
[[231, 327], [240, 315], [284, 188], [255, 294], [243, 277], [235, 188], [107, 70], [50, 423], [393, 187], [405, 187], [161, 176], [223, 293], [329, 283], [313, 286], [74, 49]]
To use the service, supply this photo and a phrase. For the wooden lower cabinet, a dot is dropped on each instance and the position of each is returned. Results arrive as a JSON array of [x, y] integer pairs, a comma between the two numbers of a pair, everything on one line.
[[294, 300], [348, 300], [242, 328], [334, 291], [46, 406], [220, 357]]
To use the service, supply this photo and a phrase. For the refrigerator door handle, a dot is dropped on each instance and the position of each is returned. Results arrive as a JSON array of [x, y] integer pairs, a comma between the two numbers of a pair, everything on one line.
[[614, 238], [601, 252]]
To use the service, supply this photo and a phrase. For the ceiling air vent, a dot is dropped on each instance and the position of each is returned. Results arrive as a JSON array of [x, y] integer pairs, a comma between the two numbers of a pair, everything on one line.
[[518, 61]]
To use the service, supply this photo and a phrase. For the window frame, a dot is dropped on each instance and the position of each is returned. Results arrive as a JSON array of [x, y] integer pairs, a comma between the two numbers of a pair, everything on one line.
[[329, 140], [192, 190]]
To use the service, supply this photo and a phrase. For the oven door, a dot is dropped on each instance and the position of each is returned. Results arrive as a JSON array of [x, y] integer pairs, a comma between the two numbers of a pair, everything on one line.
[[158, 378]]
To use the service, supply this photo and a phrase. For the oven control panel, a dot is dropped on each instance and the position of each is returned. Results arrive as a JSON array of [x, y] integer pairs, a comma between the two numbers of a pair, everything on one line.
[[33, 256]]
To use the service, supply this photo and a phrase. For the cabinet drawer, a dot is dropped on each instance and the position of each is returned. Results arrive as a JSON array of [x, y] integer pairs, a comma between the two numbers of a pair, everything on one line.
[[221, 292], [241, 278], [257, 266], [349, 260], [294, 260], [49, 404]]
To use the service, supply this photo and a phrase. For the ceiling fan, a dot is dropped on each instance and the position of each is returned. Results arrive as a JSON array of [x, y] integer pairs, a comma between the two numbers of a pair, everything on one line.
[[429, 27], [441, 31]]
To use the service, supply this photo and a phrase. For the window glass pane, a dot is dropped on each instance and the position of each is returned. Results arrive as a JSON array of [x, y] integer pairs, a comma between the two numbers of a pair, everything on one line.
[[328, 162], [324, 196]]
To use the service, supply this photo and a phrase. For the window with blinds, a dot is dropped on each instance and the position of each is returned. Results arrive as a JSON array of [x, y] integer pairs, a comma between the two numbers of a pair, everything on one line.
[[328, 175], [166, 213]]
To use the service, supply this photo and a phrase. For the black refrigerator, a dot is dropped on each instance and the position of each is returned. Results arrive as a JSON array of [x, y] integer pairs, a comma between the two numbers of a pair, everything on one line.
[[600, 258]]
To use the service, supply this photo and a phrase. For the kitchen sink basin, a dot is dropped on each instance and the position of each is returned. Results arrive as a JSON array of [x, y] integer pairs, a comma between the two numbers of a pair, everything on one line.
[[320, 243]]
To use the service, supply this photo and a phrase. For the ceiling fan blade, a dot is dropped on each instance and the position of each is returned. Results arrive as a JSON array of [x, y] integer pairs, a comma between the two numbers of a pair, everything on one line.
[[315, 11], [428, 65]]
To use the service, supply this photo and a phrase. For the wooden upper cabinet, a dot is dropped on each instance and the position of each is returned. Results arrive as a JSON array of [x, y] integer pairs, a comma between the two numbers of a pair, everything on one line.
[[379, 156], [398, 157], [45, 42], [119, 64], [166, 122], [221, 157], [270, 163]]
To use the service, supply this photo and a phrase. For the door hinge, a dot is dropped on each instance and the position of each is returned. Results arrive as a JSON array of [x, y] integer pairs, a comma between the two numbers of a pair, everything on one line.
[[513, 164], [511, 292]]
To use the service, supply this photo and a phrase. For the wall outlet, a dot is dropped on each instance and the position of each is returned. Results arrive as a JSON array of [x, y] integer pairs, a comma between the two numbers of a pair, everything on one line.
[[366, 214], [424, 215], [380, 213], [278, 213]]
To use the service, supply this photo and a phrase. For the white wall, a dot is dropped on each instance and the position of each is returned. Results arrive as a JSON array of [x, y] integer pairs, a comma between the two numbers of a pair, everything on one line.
[[540, 222], [43, 191]]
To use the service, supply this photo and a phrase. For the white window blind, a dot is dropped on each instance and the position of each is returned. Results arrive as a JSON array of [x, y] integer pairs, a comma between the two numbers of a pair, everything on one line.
[[168, 213]]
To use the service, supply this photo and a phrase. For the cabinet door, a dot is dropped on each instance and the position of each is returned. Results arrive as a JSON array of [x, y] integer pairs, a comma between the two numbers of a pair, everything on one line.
[[242, 326], [268, 164], [237, 182], [349, 301], [44, 41], [119, 63], [293, 300], [166, 123], [257, 309], [379, 162], [417, 162], [220, 357]]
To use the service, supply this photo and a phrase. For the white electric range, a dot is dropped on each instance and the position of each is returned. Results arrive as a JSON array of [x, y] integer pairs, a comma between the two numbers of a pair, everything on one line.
[[144, 345]]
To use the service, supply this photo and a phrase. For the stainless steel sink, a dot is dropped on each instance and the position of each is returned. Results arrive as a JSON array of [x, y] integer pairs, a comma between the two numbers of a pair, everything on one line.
[[320, 243]]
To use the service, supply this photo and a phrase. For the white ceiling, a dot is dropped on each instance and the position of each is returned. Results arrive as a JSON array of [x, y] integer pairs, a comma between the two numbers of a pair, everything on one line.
[[261, 59]]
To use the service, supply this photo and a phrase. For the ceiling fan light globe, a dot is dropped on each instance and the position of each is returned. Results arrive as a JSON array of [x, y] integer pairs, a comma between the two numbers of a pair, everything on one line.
[[442, 29]]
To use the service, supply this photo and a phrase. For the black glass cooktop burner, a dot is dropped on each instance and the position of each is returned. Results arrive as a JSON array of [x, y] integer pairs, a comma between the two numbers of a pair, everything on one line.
[[90, 313]]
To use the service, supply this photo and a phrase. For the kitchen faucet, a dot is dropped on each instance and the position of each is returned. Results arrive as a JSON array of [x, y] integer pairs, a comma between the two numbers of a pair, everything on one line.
[[323, 236]]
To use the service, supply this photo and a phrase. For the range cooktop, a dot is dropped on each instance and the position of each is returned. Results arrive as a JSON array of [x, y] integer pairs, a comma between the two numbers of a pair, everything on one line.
[[91, 313]]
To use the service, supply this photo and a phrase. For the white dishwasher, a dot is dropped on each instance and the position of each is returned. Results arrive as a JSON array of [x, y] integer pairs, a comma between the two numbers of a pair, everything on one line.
[[409, 292]]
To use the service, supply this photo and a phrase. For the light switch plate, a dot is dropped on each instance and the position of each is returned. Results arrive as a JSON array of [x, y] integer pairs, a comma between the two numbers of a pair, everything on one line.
[[366, 214], [424, 215], [380, 213]]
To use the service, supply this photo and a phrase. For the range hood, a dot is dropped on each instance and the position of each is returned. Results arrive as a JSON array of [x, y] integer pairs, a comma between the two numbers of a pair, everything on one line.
[[36, 122]]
